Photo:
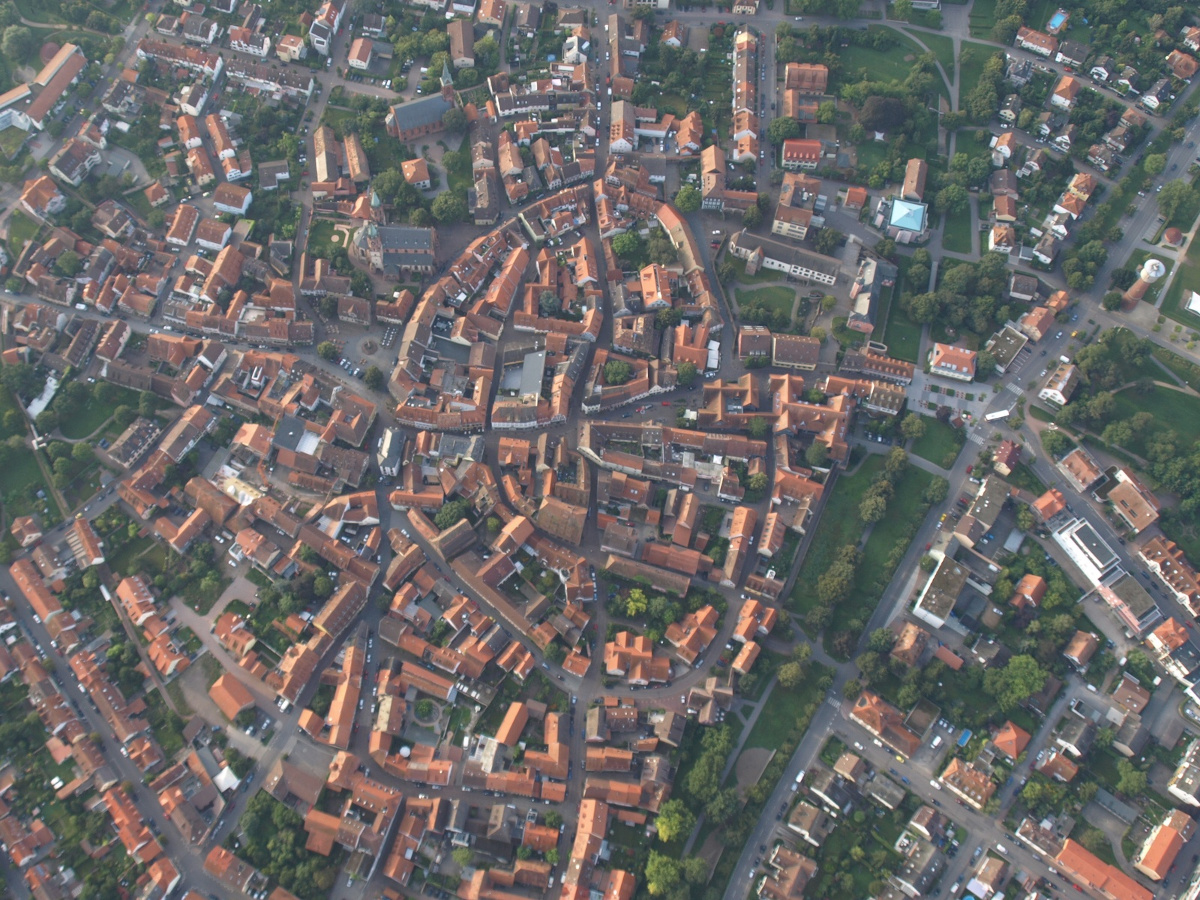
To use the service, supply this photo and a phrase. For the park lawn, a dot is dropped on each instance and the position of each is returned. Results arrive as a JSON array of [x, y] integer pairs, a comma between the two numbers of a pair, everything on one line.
[[939, 442], [777, 299], [7, 403], [839, 525], [320, 239], [956, 235], [783, 709], [870, 154], [966, 142], [943, 49], [888, 533], [166, 725], [88, 420], [893, 65], [21, 228], [1187, 279], [902, 337], [336, 118], [1174, 410], [982, 18], [972, 57], [1185, 371]]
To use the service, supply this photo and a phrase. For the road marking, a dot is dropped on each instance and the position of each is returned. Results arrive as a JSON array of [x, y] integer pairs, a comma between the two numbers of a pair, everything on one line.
[[1014, 387], [976, 438]]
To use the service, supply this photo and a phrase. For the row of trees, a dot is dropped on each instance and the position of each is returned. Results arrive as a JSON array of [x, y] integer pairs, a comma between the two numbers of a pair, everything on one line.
[[968, 295]]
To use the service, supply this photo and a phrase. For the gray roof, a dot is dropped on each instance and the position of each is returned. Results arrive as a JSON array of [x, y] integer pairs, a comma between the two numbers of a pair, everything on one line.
[[405, 237], [419, 113]]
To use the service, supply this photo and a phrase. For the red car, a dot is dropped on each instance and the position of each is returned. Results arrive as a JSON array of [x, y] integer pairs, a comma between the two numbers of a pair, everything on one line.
[[970, 469], [666, 403]]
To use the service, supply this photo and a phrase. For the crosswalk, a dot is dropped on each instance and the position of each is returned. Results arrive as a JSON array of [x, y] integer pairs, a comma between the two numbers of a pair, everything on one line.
[[976, 438], [1014, 387]]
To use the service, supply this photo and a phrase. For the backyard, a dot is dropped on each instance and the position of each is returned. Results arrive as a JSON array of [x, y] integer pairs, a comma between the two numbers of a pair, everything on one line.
[[900, 333], [774, 299], [324, 239], [21, 228]]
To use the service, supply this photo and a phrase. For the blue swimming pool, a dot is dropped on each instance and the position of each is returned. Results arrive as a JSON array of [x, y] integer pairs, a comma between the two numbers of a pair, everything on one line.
[[1056, 20]]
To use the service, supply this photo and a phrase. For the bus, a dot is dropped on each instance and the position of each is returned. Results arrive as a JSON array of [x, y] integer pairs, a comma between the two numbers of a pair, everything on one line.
[[996, 416]]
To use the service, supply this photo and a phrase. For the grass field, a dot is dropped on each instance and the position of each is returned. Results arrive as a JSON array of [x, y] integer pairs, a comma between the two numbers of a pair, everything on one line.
[[777, 299], [1174, 410], [902, 335], [839, 525], [783, 709], [956, 235], [972, 57], [21, 228], [1186, 279], [320, 239], [890, 532], [983, 18], [940, 444], [966, 142], [943, 49], [894, 65]]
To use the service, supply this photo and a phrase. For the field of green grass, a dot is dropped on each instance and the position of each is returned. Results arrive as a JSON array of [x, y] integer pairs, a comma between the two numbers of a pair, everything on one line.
[[1174, 410], [982, 18], [972, 57], [956, 235], [839, 525], [939, 444], [893, 65], [320, 238], [777, 299], [21, 228], [1187, 279], [943, 49], [888, 533], [780, 715], [902, 336]]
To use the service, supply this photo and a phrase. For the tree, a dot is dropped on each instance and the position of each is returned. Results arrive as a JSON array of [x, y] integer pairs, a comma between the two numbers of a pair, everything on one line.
[[554, 818], [361, 286], [627, 245], [758, 482], [1015, 682], [828, 240], [451, 513], [903, 10], [852, 689], [373, 377], [674, 820], [1173, 195], [1025, 520], [722, 806], [1056, 443], [328, 351], [455, 120], [1112, 301], [758, 428], [817, 455], [882, 113], [1154, 163], [985, 365], [17, 43], [952, 198], [685, 374], [448, 208], [462, 856], [663, 874], [425, 708], [617, 371], [552, 856], [688, 199], [549, 303], [783, 129], [818, 333], [872, 508], [912, 427], [68, 263], [881, 640], [1131, 782], [790, 675], [752, 218]]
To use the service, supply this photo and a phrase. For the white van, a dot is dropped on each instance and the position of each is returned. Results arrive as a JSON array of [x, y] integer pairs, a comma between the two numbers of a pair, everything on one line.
[[937, 742]]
